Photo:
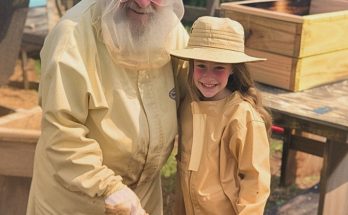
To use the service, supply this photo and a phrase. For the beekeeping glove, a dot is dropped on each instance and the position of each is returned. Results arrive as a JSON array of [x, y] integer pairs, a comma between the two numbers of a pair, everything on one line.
[[123, 202]]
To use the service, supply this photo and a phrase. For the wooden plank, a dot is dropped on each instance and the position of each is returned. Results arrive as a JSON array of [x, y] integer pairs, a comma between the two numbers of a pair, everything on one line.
[[324, 33], [275, 71], [14, 193], [253, 19], [311, 71], [236, 6], [307, 124], [19, 116], [299, 74], [17, 149], [307, 145], [304, 123], [21, 135], [16, 158], [324, 6], [267, 34], [324, 106]]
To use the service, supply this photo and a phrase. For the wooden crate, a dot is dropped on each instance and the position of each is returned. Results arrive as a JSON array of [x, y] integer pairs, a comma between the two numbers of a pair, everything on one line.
[[19, 133], [17, 147], [305, 46]]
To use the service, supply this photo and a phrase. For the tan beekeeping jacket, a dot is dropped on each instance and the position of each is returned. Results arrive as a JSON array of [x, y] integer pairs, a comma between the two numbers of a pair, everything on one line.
[[223, 158], [103, 126]]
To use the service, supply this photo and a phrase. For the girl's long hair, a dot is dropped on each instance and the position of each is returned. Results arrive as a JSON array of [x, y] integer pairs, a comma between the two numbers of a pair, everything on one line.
[[240, 80]]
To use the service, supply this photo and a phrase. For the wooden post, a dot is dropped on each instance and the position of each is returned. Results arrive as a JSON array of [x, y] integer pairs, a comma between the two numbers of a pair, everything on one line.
[[12, 15], [334, 186], [53, 15], [24, 69]]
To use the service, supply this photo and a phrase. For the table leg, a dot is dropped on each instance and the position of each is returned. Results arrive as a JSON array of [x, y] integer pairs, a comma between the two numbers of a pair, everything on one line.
[[334, 180], [285, 155]]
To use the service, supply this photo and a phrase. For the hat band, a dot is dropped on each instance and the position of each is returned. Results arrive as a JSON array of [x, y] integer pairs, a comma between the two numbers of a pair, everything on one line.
[[216, 39]]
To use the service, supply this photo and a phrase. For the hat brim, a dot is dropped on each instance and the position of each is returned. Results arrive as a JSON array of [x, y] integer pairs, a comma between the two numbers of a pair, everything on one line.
[[214, 55]]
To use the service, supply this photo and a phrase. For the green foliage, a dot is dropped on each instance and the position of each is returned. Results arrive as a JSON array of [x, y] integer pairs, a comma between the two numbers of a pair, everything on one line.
[[169, 168], [187, 26], [276, 146], [38, 67]]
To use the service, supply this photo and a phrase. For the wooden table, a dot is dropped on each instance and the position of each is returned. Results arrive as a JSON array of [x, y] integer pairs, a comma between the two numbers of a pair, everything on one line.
[[320, 111]]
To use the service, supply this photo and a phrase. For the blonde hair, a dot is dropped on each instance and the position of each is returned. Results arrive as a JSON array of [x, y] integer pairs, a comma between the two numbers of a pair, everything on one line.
[[240, 80]]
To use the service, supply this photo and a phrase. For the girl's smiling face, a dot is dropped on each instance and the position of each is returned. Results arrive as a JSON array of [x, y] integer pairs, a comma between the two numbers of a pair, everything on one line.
[[211, 78]]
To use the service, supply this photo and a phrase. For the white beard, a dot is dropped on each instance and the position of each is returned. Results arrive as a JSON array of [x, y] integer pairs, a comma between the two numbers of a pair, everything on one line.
[[138, 43]]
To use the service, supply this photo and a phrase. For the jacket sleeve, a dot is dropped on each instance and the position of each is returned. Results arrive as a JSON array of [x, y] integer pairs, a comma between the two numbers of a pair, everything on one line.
[[252, 152], [66, 98]]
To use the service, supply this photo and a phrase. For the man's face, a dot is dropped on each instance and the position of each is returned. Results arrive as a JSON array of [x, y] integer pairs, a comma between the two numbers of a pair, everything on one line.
[[143, 24], [140, 12], [138, 30]]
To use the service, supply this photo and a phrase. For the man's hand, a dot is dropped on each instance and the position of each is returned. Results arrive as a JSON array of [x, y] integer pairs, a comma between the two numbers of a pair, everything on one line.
[[116, 210], [123, 202]]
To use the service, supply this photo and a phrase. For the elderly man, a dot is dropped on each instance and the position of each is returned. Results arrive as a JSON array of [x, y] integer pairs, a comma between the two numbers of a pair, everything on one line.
[[109, 112]]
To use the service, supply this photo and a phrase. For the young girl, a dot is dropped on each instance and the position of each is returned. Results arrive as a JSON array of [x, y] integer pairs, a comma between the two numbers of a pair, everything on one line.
[[223, 159]]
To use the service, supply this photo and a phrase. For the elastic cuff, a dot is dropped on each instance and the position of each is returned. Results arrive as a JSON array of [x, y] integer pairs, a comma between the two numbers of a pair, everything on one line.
[[116, 186]]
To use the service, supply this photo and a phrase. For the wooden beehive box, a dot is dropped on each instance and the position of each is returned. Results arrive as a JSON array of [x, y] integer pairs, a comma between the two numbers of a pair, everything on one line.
[[305, 42], [19, 133]]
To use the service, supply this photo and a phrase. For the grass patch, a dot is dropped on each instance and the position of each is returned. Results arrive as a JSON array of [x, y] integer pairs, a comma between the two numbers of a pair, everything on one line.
[[168, 174], [38, 67]]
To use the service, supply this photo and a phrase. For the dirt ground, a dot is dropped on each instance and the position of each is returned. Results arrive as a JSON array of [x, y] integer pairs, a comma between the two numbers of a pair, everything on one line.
[[13, 95], [283, 200], [20, 103]]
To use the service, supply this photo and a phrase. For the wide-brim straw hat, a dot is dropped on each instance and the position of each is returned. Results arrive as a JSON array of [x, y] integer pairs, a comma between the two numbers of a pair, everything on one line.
[[216, 39]]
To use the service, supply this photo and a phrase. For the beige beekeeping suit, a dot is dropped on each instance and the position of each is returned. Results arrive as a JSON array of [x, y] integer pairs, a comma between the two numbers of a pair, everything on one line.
[[223, 159], [104, 126]]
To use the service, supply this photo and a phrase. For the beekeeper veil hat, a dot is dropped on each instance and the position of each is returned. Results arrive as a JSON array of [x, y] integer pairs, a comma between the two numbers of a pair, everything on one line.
[[142, 43]]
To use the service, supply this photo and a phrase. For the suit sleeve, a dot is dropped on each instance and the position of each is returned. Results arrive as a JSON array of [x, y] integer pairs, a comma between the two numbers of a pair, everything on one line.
[[65, 97], [254, 176]]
